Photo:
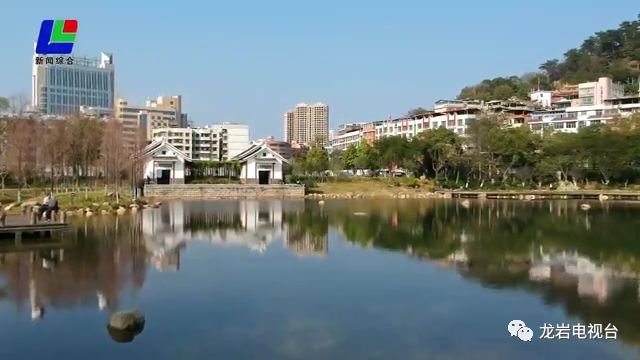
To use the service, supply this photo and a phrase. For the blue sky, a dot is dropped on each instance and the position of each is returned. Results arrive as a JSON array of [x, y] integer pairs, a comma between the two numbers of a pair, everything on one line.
[[250, 61]]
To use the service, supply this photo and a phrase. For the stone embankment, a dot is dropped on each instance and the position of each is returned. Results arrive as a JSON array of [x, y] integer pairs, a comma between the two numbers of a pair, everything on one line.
[[354, 195], [222, 191]]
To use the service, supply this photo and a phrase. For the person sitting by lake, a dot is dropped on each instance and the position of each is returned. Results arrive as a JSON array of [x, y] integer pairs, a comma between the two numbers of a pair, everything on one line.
[[52, 205], [49, 204], [44, 206]]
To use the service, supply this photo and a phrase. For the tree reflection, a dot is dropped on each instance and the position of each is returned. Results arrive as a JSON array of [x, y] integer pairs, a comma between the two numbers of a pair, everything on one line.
[[87, 266], [584, 261]]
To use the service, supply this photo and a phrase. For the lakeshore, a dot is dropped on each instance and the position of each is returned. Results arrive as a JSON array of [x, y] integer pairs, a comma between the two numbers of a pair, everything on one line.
[[93, 203]]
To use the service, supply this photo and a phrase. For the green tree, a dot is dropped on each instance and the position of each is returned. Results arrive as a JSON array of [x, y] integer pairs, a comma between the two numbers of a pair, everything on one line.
[[336, 162], [503, 92], [349, 157], [437, 149], [364, 154], [317, 161], [394, 152]]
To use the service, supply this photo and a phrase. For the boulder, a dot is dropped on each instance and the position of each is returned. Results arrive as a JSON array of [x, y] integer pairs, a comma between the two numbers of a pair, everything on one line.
[[121, 210], [106, 204], [105, 212], [95, 205], [70, 213], [134, 206], [127, 320], [465, 203], [80, 212], [603, 197], [585, 207], [125, 325], [157, 204], [89, 213]]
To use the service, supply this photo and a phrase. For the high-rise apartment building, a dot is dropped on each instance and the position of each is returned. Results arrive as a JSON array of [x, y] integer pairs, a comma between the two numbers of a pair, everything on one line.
[[62, 88], [163, 112], [210, 143], [306, 124]]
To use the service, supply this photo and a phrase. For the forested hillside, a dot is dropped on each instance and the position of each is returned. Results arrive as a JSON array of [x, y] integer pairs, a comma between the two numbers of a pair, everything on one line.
[[614, 53]]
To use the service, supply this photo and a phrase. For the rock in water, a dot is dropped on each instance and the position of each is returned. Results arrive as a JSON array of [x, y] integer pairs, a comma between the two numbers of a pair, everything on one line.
[[127, 320], [125, 325]]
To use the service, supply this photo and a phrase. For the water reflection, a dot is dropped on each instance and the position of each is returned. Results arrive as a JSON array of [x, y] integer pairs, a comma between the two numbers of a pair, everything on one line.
[[250, 223], [584, 262], [100, 257], [69, 270]]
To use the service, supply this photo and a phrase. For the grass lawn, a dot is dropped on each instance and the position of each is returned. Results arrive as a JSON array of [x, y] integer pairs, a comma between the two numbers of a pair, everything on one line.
[[67, 201], [373, 186]]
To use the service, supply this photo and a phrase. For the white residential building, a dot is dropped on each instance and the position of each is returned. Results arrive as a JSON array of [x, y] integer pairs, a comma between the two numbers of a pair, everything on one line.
[[454, 115], [210, 143], [543, 98], [343, 141], [347, 134], [574, 118]]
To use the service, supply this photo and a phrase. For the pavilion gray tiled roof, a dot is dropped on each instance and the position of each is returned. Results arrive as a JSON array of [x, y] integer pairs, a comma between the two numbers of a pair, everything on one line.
[[151, 148], [255, 148]]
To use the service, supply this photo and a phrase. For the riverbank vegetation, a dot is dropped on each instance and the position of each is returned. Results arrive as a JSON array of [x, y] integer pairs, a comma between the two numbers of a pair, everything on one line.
[[71, 153], [491, 156]]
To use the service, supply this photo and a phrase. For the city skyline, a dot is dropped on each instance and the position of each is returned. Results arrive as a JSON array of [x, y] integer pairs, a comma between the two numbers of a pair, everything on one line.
[[367, 69]]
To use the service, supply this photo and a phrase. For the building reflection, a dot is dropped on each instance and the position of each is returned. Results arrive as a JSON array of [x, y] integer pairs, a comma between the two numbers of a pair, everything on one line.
[[92, 264], [253, 224], [591, 280]]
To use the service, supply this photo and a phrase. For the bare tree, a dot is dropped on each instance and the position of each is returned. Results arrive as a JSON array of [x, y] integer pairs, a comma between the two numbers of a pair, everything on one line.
[[115, 157], [84, 145], [21, 152], [53, 149]]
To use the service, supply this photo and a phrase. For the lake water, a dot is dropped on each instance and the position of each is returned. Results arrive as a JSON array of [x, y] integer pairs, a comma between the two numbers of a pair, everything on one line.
[[348, 280]]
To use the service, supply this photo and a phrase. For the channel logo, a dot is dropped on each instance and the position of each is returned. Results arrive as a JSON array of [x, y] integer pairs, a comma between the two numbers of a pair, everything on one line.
[[57, 36]]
